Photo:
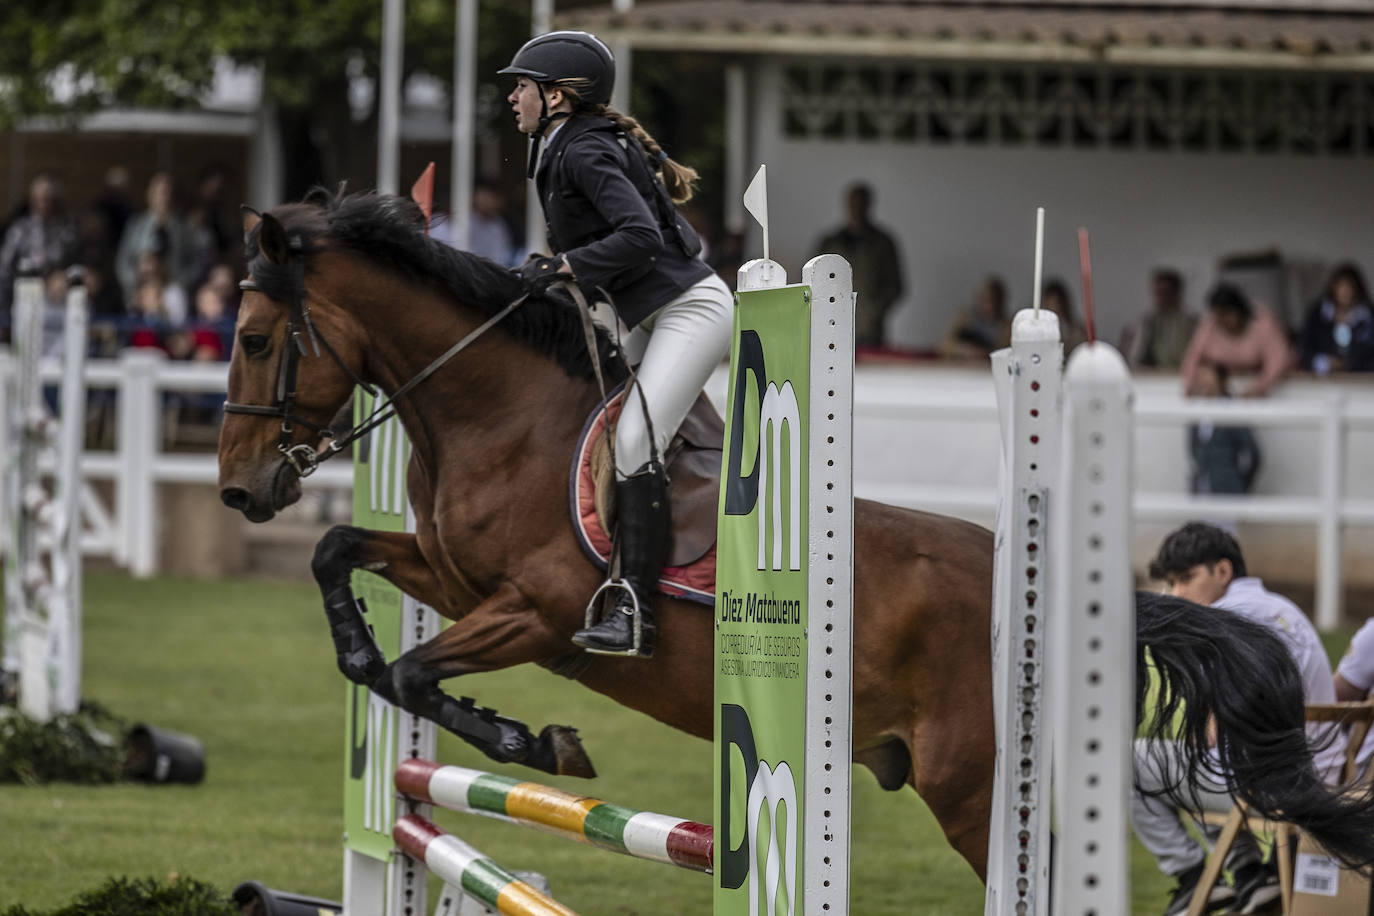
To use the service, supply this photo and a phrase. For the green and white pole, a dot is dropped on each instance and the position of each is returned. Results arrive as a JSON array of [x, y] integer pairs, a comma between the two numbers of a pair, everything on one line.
[[378, 879], [784, 593]]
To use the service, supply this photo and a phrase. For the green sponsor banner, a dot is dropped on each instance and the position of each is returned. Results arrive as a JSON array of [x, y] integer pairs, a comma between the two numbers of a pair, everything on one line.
[[761, 589], [379, 503]]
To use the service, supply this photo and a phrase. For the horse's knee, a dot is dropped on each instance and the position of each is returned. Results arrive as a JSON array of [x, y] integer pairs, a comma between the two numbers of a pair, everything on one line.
[[336, 554], [413, 686]]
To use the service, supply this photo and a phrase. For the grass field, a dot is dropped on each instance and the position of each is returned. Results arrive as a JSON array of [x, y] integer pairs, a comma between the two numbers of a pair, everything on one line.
[[248, 668]]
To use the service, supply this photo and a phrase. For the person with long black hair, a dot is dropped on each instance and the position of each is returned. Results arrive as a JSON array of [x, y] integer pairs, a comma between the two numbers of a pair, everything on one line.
[[609, 192], [1203, 564]]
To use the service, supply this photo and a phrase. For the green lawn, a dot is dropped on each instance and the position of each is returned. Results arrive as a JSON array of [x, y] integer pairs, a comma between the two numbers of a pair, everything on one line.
[[248, 668]]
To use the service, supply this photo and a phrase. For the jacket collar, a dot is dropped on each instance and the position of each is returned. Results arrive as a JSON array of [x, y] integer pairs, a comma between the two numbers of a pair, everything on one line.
[[558, 140]]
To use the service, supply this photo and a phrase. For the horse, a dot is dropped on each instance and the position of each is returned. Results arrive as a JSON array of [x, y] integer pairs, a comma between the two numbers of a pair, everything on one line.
[[348, 290]]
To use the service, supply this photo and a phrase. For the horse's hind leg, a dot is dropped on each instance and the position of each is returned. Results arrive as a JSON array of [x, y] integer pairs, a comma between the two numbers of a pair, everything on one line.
[[952, 772], [392, 555]]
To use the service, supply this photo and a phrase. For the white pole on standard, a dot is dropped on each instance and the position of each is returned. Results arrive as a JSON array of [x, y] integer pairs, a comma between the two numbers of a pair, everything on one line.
[[624, 63], [1093, 626], [541, 21], [389, 97], [464, 117], [1026, 377], [64, 615]]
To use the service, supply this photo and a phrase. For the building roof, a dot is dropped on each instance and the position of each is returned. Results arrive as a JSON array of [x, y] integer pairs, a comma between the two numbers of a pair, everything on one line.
[[1263, 34]]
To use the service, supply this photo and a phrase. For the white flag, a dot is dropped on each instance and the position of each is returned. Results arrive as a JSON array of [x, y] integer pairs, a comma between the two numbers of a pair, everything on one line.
[[756, 202]]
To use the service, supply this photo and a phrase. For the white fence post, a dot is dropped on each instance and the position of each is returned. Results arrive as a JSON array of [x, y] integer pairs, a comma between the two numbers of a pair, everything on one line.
[[1329, 592], [140, 429]]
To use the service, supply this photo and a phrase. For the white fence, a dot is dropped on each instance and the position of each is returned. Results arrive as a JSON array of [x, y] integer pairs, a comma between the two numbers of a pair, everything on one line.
[[125, 528], [925, 437]]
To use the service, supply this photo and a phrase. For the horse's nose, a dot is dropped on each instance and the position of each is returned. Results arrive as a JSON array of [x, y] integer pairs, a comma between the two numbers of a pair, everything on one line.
[[235, 498]]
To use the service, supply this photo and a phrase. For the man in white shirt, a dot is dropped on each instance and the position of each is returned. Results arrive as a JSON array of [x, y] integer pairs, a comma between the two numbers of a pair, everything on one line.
[[1203, 564], [1355, 678]]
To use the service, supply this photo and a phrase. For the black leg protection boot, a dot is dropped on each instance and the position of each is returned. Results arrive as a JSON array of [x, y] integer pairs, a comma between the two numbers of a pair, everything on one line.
[[644, 531]]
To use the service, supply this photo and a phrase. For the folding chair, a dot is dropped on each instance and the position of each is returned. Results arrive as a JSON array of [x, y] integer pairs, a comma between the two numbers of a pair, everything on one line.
[[1357, 718]]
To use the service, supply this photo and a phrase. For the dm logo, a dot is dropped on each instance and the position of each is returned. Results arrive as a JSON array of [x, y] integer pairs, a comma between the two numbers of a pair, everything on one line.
[[769, 790], [779, 423]]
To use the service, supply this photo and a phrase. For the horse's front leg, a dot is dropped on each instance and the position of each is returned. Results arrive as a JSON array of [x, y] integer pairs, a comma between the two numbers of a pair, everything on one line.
[[394, 556], [502, 631]]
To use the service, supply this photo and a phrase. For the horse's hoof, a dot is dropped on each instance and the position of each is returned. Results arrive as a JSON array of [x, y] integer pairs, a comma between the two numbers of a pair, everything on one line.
[[559, 751]]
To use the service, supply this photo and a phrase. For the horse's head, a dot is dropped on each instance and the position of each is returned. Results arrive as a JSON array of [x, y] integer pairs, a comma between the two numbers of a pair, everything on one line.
[[294, 364]]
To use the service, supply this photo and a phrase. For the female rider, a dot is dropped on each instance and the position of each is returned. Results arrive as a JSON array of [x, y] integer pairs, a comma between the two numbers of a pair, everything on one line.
[[608, 192]]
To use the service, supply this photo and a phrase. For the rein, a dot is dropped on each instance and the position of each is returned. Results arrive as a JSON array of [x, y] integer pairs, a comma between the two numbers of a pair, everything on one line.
[[303, 458]]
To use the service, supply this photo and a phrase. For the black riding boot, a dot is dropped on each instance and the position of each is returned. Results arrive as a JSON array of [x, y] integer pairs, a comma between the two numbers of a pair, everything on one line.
[[644, 533]]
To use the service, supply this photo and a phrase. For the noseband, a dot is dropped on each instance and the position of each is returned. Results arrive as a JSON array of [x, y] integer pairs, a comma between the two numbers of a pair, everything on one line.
[[303, 458]]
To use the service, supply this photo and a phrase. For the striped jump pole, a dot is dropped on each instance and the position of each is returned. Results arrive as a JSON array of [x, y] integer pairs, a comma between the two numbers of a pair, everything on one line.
[[641, 834], [462, 866]]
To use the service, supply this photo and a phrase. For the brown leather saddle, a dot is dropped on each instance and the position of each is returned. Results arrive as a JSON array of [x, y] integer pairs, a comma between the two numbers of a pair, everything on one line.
[[693, 461]]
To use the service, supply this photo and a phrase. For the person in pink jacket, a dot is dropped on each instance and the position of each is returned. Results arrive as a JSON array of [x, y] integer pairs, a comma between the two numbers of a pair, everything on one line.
[[1240, 337]]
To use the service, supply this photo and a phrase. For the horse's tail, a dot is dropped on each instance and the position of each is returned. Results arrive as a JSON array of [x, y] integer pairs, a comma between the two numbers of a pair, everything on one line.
[[1214, 665]]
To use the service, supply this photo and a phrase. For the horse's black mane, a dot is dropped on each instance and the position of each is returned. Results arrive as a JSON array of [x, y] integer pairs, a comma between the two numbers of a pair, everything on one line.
[[390, 231]]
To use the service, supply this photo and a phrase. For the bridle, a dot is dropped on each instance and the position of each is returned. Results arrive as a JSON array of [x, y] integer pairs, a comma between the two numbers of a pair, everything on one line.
[[302, 457]]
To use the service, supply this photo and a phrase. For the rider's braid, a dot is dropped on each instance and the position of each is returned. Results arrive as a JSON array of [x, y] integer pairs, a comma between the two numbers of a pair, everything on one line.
[[677, 178]]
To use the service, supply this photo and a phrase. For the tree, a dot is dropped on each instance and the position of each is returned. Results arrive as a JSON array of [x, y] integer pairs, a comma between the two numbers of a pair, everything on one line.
[[71, 57]]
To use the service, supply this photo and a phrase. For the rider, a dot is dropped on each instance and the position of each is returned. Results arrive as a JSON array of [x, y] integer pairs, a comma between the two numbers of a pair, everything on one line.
[[608, 191]]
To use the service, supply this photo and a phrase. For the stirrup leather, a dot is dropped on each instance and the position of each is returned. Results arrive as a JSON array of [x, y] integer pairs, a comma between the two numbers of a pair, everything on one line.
[[592, 618]]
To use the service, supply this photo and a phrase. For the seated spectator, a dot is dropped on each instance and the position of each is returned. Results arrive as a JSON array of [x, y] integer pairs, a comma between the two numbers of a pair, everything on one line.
[[982, 328], [102, 294], [1225, 458], [56, 285], [210, 333], [158, 229], [42, 239], [1162, 337], [1355, 679], [1055, 297], [1239, 338], [156, 298], [1338, 335], [1203, 564]]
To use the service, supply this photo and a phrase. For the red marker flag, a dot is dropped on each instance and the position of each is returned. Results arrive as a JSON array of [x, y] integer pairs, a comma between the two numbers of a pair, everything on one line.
[[422, 192]]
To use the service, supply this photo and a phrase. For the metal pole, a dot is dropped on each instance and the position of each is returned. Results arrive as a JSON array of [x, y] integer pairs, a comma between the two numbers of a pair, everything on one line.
[[1332, 481], [541, 21], [736, 145], [464, 117], [389, 97], [624, 63]]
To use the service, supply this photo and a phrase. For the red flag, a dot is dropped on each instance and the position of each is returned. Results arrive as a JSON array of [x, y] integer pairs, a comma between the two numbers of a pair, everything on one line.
[[422, 192]]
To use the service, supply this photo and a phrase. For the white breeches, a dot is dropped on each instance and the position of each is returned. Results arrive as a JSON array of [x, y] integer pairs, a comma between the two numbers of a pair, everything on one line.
[[682, 343]]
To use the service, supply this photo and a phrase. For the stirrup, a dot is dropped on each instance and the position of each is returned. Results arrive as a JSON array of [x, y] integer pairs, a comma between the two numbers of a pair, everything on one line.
[[592, 617]]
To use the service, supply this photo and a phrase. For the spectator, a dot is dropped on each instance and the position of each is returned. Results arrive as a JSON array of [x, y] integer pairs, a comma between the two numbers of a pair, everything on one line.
[[872, 253], [102, 294], [1225, 458], [56, 285], [1203, 564], [156, 299], [114, 205], [1338, 335], [211, 238], [1354, 680], [160, 230], [1055, 297], [489, 232], [1239, 338], [42, 239], [1161, 339], [979, 330]]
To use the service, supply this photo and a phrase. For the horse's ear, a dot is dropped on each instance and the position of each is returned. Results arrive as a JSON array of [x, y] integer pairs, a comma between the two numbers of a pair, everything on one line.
[[251, 218], [272, 240]]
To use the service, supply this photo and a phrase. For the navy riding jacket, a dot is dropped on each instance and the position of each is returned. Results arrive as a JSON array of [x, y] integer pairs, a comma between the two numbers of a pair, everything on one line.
[[606, 210]]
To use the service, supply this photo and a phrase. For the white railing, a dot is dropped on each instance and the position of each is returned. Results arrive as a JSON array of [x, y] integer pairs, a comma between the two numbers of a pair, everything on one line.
[[948, 414], [127, 528]]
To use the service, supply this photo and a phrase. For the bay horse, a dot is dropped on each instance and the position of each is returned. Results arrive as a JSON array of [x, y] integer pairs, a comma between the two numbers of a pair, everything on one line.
[[348, 289]]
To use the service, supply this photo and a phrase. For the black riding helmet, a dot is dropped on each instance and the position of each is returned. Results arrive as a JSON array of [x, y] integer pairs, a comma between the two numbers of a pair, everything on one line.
[[568, 55]]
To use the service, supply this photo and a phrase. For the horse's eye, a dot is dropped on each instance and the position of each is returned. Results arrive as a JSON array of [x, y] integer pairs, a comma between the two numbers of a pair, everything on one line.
[[253, 344]]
